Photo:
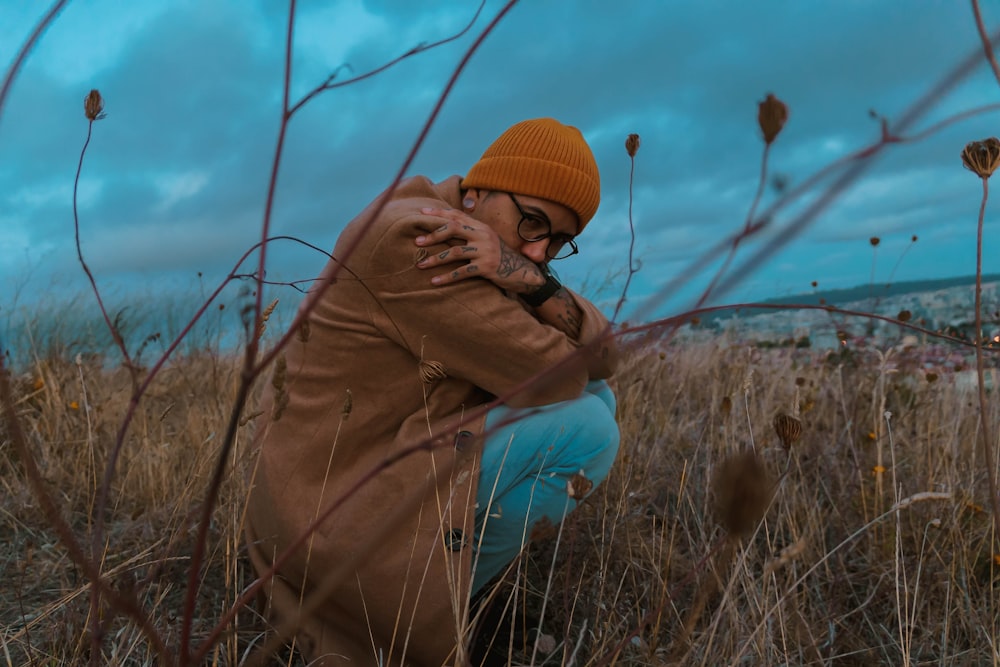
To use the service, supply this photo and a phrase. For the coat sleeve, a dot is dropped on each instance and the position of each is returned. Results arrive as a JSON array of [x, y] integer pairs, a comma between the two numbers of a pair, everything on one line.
[[471, 327]]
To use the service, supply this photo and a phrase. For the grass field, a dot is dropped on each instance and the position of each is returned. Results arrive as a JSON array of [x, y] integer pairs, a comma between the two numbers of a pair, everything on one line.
[[867, 541]]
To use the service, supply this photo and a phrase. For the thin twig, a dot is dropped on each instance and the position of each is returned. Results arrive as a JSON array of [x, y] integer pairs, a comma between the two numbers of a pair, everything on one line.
[[26, 48], [250, 356], [632, 268], [115, 334], [989, 459], [856, 164], [250, 371], [314, 297], [748, 229], [330, 83], [987, 46], [118, 600]]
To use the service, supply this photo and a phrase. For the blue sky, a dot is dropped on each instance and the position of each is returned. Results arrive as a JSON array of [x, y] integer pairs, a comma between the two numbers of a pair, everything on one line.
[[175, 178]]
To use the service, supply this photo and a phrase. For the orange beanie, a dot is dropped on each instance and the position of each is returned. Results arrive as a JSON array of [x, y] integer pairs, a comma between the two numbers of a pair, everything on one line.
[[541, 158]]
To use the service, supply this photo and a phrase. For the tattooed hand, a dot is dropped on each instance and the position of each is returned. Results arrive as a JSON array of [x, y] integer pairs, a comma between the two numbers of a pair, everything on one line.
[[480, 253]]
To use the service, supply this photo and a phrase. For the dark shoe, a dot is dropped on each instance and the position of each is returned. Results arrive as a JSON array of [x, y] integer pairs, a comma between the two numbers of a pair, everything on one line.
[[496, 628]]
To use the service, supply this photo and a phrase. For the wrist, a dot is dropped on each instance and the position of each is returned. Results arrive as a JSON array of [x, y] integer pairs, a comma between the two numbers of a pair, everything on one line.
[[546, 291]]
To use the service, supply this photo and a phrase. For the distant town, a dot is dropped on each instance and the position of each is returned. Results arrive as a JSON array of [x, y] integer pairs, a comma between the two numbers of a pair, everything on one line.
[[946, 306]]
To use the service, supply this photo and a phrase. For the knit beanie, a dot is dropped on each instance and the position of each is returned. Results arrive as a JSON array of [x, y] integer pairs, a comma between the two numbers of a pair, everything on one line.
[[541, 158]]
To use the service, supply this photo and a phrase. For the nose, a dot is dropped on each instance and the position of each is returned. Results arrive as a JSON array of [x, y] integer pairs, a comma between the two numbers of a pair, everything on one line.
[[535, 250]]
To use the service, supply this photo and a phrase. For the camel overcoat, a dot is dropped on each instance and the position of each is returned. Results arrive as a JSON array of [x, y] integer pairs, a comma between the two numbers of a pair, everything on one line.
[[366, 426]]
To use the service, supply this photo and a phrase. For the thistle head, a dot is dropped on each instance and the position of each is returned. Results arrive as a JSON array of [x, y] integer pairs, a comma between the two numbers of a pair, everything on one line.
[[632, 144], [982, 157], [93, 106], [742, 492], [771, 116], [788, 428]]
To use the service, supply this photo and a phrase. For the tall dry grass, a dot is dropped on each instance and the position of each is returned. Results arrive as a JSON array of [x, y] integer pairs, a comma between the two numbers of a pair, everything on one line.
[[865, 541], [874, 546], [71, 410]]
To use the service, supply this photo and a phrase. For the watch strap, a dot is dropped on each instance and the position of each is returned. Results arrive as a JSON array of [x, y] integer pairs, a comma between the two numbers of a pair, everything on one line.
[[545, 292]]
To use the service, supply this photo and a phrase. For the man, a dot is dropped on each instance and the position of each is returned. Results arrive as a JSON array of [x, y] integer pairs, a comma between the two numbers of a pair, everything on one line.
[[373, 420]]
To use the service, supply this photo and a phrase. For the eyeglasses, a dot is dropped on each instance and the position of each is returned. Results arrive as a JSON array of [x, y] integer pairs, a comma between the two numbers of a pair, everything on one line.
[[532, 228]]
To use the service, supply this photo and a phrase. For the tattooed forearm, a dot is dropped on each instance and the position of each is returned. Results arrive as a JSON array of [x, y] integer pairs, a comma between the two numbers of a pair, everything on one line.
[[516, 267], [562, 312]]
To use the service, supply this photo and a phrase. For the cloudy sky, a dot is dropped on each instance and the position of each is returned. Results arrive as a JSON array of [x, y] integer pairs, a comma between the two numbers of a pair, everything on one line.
[[175, 177]]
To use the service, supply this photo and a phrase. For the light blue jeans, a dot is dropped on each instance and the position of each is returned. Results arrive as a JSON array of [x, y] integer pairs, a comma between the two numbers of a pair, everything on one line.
[[528, 458]]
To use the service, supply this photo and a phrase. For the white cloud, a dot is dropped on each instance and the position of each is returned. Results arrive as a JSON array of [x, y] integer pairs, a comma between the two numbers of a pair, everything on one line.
[[178, 186]]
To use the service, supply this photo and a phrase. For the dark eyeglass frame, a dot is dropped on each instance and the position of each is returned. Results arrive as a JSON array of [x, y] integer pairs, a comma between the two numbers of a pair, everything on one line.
[[560, 249]]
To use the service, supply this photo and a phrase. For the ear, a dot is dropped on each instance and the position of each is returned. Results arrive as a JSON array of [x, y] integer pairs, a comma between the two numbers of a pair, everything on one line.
[[471, 198]]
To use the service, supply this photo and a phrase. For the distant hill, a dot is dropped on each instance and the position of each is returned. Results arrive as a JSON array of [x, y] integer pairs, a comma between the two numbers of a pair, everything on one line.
[[880, 291], [841, 297]]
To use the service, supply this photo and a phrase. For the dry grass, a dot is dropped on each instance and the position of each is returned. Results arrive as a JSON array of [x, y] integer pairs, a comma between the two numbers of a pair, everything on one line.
[[848, 566]]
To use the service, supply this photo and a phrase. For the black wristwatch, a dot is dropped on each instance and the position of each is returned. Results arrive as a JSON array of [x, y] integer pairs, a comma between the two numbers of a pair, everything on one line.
[[545, 292]]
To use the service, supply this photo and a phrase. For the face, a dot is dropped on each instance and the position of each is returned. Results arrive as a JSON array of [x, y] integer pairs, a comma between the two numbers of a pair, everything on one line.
[[508, 214]]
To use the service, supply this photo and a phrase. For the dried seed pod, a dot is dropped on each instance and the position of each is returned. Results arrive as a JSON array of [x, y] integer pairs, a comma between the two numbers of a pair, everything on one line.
[[264, 317], [280, 401], [280, 370], [874, 241], [579, 486], [632, 144], [431, 371], [304, 331], [93, 106], [345, 411], [982, 157], [788, 428], [771, 116], [742, 493]]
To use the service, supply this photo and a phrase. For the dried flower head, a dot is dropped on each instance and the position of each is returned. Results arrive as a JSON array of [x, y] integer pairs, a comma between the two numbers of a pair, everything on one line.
[[578, 486], [982, 157], [93, 106], [904, 315], [742, 493], [431, 371], [632, 144], [789, 429], [771, 116], [874, 241]]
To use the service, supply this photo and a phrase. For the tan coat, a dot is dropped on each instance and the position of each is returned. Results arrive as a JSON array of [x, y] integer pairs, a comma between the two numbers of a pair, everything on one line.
[[386, 362]]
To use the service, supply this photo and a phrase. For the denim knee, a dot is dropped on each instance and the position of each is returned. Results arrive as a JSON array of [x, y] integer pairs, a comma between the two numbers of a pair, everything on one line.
[[593, 445]]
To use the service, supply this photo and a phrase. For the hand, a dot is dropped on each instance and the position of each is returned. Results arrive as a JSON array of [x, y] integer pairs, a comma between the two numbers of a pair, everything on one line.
[[483, 252]]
